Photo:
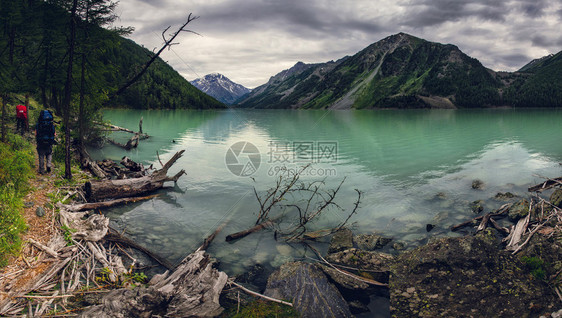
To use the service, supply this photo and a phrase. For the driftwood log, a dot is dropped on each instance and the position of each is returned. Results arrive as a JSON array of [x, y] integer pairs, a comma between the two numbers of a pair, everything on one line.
[[88, 163], [192, 290], [548, 184], [97, 190]]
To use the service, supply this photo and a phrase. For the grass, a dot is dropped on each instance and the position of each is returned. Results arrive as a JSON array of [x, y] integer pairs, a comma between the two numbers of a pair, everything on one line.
[[16, 168]]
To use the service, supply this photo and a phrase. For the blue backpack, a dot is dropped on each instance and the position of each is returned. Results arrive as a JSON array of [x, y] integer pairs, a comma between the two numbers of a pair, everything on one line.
[[45, 129]]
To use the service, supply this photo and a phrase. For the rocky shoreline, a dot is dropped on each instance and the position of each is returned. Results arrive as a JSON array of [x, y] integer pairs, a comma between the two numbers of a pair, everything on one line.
[[469, 276]]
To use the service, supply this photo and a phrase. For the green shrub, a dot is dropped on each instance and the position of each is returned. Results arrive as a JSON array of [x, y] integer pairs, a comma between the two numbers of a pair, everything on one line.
[[535, 265], [16, 168]]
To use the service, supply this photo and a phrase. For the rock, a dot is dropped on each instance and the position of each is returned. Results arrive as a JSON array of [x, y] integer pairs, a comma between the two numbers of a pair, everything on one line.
[[369, 242], [308, 289], [504, 196], [556, 198], [518, 210], [40, 211], [462, 277], [280, 260], [477, 184], [375, 263], [342, 240], [399, 246], [429, 227], [284, 249], [441, 195], [342, 280], [29, 204], [477, 206]]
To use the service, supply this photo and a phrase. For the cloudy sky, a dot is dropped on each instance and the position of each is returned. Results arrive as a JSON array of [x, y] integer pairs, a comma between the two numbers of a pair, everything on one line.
[[251, 40]]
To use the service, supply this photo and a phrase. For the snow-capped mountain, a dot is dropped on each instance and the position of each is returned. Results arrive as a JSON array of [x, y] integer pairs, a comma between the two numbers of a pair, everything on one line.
[[221, 88]]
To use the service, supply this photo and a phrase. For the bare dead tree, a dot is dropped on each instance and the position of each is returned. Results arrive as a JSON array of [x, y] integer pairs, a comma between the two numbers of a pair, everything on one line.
[[168, 43], [306, 202]]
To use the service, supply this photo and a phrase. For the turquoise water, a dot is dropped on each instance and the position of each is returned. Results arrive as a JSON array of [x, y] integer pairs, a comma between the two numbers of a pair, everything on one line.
[[413, 167]]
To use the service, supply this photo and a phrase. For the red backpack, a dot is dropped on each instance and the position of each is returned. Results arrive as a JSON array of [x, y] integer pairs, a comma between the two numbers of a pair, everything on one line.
[[21, 112]]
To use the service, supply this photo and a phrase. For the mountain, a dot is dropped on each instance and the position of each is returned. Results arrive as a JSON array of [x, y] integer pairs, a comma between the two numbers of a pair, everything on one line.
[[539, 84], [221, 88], [36, 63], [398, 71]]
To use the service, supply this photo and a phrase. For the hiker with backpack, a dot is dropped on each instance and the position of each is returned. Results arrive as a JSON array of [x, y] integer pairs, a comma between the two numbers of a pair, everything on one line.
[[45, 137], [21, 119]]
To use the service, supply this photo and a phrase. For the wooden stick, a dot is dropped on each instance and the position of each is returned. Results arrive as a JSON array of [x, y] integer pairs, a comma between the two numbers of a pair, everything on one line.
[[260, 295], [44, 248]]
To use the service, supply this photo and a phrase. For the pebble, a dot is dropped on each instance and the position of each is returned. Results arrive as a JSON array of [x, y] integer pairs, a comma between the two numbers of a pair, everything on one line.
[[40, 212]]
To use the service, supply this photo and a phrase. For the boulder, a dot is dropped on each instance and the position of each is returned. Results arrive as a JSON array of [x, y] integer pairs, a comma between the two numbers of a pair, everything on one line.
[[504, 196], [465, 277], [341, 240], [519, 210], [308, 289], [477, 206], [477, 184], [369, 242]]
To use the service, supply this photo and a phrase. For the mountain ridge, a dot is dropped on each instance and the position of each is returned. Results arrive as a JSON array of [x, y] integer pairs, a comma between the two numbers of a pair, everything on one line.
[[399, 71]]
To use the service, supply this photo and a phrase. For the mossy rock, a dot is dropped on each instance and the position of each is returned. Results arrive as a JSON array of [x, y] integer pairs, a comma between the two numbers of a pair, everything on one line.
[[504, 196], [518, 210], [477, 206], [478, 184]]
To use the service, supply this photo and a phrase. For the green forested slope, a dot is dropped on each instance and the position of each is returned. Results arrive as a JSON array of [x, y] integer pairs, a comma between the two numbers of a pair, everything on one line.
[[542, 87], [34, 57]]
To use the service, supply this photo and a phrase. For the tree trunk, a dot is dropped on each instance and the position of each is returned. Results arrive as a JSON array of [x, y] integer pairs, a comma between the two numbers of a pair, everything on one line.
[[68, 92], [105, 189]]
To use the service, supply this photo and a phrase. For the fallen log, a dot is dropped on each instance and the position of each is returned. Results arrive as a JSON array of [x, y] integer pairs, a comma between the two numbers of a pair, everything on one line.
[[114, 236], [87, 163], [241, 234], [97, 190], [131, 143], [499, 212], [548, 184], [107, 204]]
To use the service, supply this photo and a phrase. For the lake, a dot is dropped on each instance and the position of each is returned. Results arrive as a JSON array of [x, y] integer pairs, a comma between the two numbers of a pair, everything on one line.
[[413, 167]]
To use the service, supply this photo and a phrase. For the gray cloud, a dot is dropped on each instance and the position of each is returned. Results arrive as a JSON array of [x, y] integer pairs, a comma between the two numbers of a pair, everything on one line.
[[435, 12], [534, 8], [251, 40]]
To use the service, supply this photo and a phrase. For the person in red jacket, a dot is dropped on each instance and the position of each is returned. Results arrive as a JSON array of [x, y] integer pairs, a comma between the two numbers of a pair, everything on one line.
[[21, 119]]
